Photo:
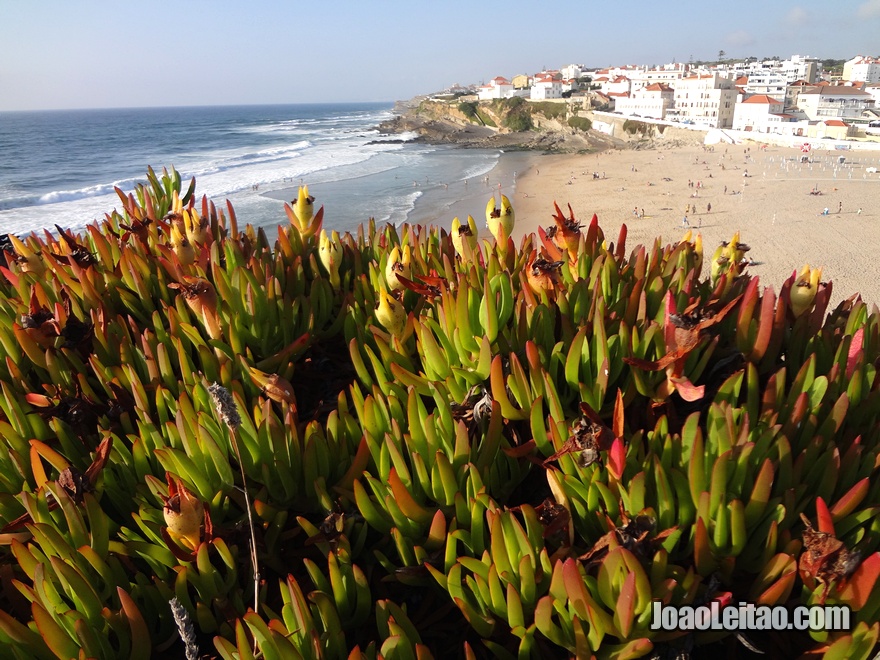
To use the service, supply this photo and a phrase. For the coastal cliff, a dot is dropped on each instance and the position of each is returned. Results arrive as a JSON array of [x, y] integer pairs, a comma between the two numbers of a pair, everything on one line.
[[440, 122]]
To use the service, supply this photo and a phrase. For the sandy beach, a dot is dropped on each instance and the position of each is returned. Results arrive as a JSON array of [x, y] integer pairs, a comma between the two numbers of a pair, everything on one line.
[[766, 194]]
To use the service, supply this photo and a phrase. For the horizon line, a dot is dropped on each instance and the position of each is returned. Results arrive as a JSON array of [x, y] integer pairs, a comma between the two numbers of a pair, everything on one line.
[[202, 105]]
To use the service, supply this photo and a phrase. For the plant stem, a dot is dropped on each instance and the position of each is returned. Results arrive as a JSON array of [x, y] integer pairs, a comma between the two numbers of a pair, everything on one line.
[[247, 503]]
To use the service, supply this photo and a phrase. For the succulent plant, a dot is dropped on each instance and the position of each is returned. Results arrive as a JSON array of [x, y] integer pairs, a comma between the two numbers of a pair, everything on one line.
[[418, 444]]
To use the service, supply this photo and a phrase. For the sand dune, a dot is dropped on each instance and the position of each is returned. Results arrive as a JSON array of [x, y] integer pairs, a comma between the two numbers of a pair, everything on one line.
[[772, 206]]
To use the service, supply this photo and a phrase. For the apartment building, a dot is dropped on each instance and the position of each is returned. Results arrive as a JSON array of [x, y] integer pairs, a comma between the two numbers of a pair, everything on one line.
[[652, 101], [861, 68], [706, 99], [834, 101]]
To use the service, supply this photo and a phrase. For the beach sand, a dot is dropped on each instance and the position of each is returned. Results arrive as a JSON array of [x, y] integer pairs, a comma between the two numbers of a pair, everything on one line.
[[771, 207]]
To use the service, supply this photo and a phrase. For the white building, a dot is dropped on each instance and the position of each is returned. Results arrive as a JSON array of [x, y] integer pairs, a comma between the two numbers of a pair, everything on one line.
[[759, 113], [651, 101], [797, 67], [706, 99], [801, 68], [616, 85], [865, 69], [874, 90], [572, 71], [834, 102], [668, 74], [545, 87], [767, 83], [498, 88]]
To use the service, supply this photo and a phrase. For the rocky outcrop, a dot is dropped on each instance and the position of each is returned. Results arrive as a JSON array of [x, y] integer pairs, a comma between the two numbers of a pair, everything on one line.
[[442, 123]]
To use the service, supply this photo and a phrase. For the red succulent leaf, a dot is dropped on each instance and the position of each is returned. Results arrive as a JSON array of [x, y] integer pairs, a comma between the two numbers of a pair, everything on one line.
[[553, 252], [422, 288], [620, 252], [38, 400], [520, 450], [102, 455], [859, 586], [855, 350], [617, 458], [687, 390], [823, 517], [617, 422]]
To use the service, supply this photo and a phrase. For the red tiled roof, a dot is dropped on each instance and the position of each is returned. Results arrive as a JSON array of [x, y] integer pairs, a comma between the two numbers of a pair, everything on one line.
[[834, 122], [762, 98], [836, 90]]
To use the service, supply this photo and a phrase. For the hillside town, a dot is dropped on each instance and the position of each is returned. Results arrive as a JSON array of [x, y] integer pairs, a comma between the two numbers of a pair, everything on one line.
[[792, 97]]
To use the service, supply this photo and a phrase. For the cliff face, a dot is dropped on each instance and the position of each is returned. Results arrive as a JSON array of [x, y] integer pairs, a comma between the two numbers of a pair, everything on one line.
[[438, 122]]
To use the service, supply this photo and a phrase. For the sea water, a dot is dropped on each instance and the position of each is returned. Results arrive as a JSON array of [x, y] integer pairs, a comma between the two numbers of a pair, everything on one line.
[[61, 167]]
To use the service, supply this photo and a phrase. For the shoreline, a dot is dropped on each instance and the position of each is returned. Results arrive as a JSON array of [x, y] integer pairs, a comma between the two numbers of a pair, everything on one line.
[[771, 207]]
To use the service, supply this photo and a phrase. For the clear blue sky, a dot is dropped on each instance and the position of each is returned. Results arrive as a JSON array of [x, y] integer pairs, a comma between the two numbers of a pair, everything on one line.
[[97, 53]]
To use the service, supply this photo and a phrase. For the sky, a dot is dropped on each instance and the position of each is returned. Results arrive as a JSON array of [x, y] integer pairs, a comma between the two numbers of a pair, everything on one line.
[[57, 54]]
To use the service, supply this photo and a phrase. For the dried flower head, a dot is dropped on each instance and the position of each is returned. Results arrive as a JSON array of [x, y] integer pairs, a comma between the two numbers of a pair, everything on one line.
[[225, 405], [185, 628]]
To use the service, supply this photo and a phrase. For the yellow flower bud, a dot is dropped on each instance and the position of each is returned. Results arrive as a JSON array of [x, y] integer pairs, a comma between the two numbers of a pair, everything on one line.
[[543, 275], [720, 263], [201, 297], [28, 260], [330, 254], [398, 264], [804, 289], [184, 515], [303, 207], [464, 234], [391, 314], [196, 228], [500, 221], [184, 250]]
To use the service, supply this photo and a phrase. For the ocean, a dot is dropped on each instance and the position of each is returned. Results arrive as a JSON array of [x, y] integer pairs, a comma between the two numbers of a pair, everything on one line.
[[61, 167]]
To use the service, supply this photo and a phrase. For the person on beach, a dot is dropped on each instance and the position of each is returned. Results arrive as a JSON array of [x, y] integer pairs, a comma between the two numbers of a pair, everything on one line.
[[725, 190], [684, 222], [839, 207], [709, 207]]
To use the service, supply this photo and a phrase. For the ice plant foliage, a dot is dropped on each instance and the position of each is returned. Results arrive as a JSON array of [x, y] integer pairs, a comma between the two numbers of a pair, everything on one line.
[[411, 443]]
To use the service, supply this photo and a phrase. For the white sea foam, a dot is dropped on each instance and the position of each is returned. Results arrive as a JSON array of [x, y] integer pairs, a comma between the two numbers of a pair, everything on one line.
[[362, 179]]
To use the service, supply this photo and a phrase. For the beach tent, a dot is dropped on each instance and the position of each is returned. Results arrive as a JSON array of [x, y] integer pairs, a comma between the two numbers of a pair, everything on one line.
[[714, 136]]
